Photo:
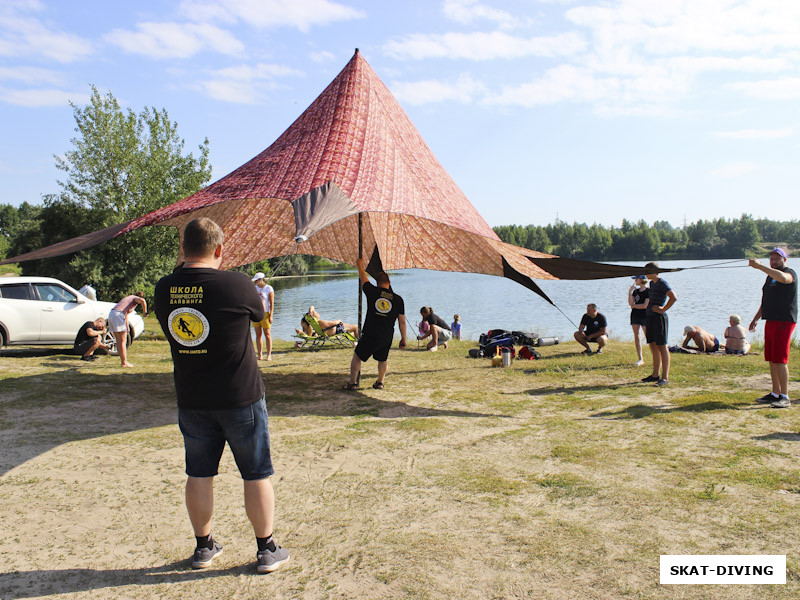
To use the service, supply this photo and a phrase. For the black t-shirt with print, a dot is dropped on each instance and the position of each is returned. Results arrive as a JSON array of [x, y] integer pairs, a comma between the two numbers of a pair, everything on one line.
[[206, 315], [383, 308], [779, 300], [639, 296], [593, 324]]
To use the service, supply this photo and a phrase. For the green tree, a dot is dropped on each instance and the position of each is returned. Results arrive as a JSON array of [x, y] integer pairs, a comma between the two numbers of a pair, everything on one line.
[[122, 165]]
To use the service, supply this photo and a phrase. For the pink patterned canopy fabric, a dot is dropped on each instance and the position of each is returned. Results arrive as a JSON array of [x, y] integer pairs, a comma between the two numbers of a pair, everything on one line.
[[353, 154], [356, 142]]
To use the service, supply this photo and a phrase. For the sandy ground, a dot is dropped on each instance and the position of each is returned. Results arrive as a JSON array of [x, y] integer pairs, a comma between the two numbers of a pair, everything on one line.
[[450, 494]]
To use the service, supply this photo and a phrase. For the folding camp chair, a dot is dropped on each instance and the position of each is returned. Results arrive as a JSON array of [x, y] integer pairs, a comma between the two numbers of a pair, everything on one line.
[[322, 336]]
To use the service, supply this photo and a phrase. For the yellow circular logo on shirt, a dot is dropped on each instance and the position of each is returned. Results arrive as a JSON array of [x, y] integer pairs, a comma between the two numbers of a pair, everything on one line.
[[383, 306], [189, 327]]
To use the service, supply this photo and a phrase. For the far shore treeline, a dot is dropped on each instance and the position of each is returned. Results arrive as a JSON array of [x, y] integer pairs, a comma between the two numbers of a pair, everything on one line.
[[718, 238]]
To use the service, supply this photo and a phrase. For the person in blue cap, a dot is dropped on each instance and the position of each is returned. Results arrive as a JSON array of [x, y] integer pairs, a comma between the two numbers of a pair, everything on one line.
[[779, 309], [638, 299]]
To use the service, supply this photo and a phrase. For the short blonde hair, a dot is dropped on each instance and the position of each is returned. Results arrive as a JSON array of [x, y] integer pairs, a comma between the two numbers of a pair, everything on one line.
[[201, 237], [736, 319]]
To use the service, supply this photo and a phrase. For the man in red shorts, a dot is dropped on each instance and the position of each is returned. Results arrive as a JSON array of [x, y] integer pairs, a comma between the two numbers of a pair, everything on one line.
[[779, 309]]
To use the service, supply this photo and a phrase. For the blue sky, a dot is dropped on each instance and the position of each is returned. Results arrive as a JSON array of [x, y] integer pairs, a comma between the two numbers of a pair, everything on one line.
[[584, 110]]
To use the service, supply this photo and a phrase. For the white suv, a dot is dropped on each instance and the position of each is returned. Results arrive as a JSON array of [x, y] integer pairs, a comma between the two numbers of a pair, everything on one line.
[[42, 310]]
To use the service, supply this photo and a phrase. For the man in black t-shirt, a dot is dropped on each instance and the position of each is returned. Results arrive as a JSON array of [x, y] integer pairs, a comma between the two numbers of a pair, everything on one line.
[[205, 314], [660, 300], [592, 329], [779, 309], [89, 339], [384, 307]]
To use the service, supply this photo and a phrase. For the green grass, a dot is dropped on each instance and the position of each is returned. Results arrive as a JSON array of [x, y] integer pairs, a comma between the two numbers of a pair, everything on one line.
[[573, 474]]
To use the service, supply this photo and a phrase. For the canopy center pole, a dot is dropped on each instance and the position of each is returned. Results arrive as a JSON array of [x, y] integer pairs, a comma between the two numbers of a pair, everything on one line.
[[360, 255], [360, 299]]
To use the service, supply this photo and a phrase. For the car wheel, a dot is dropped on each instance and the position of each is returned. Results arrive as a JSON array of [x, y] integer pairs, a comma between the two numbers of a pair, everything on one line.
[[110, 341], [2, 339]]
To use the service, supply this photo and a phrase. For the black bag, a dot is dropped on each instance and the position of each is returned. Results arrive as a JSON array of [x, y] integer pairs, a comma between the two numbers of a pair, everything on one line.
[[501, 341], [522, 338], [475, 353]]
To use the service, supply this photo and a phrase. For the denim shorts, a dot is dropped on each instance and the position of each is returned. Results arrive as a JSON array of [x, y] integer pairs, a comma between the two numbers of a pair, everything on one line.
[[245, 429]]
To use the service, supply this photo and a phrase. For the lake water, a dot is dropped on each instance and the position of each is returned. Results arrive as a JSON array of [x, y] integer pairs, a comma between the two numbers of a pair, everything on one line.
[[706, 297]]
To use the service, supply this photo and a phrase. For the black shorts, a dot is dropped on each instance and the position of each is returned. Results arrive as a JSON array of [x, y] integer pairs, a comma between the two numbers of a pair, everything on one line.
[[375, 347], [657, 329], [84, 346], [638, 318]]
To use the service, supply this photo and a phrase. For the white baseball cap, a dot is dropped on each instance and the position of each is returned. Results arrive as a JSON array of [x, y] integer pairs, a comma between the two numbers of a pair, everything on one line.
[[258, 276]]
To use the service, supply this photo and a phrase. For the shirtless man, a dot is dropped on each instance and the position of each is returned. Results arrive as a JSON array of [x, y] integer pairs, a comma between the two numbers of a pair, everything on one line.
[[705, 341], [329, 327]]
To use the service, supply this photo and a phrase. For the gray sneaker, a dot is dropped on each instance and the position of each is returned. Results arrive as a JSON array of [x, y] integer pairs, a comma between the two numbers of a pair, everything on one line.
[[587, 352], [204, 556], [267, 561], [662, 382], [782, 403], [767, 399]]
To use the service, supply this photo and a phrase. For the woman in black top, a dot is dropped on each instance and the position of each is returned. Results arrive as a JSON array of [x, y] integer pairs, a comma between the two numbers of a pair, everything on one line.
[[638, 298]]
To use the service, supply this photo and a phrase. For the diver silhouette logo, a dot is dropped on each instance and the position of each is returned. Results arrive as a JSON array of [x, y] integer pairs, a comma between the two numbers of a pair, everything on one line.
[[188, 327], [383, 306]]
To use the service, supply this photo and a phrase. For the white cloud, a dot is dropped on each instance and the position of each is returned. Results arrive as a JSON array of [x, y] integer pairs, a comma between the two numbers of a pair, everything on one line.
[[24, 35], [467, 11], [482, 46], [754, 134], [37, 98], [322, 56], [787, 88], [245, 84], [175, 40], [564, 83], [31, 75], [464, 90], [630, 56], [300, 14], [733, 170]]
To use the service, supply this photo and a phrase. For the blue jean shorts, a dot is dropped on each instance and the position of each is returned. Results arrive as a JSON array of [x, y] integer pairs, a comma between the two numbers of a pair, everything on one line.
[[245, 429]]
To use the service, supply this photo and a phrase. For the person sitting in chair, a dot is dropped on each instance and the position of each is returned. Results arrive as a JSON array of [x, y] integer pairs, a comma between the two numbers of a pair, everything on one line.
[[329, 327], [595, 330]]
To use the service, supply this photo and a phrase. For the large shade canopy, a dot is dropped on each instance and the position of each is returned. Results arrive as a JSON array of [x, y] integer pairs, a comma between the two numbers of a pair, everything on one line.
[[352, 156]]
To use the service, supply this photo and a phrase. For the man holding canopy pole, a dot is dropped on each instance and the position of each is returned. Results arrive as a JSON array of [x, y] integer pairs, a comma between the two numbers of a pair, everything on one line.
[[779, 309], [384, 307]]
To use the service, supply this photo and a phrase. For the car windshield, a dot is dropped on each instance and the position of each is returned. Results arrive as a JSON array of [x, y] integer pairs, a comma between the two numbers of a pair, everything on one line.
[[50, 292]]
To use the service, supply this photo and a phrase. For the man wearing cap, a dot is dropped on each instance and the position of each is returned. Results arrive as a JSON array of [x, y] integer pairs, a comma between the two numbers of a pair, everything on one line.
[[705, 341], [268, 300], [779, 310]]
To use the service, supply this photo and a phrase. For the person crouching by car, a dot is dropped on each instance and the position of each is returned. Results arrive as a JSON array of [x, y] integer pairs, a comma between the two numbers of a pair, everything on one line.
[[90, 339]]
